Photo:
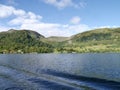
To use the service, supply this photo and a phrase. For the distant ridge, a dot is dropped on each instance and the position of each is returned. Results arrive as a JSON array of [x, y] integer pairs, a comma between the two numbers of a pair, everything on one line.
[[57, 39], [28, 41], [30, 32]]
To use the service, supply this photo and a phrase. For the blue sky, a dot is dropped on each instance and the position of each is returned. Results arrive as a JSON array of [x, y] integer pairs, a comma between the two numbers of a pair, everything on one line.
[[59, 17]]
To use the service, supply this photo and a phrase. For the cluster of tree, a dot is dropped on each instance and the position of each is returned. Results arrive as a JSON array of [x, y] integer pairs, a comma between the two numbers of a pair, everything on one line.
[[22, 42]]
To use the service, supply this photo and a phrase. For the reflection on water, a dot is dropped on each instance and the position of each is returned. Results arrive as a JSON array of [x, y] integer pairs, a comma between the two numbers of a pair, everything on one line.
[[60, 71]]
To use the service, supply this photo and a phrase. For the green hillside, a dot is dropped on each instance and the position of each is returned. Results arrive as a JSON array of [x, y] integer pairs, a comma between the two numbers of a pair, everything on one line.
[[27, 41], [98, 40], [97, 35], [22, 41]]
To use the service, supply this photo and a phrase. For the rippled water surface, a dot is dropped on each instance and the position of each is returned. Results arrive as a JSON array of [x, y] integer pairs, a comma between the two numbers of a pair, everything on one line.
[[60, 71]]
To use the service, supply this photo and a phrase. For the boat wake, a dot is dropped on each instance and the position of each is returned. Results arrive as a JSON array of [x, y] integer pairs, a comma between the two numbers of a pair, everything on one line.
[[12, 78]]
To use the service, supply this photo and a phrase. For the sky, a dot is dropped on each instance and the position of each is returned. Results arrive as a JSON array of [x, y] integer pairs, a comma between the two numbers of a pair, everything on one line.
[[59, 17]]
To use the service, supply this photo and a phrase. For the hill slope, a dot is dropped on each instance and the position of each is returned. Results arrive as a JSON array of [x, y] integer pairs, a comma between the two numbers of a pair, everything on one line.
[[99, 40], [16, 41], [98, 35], [56, 39]]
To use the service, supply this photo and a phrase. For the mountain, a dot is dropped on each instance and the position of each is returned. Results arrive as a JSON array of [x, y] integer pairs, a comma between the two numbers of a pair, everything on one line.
[[19, 41], [98, 40], [27, 41], [31, 33], [97, 35]]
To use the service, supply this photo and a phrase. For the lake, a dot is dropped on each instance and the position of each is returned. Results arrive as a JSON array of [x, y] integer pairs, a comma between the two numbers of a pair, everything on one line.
[[60, 71]]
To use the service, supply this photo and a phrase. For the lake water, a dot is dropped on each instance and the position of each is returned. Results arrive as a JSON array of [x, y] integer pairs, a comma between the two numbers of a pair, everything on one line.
[[60, 71]]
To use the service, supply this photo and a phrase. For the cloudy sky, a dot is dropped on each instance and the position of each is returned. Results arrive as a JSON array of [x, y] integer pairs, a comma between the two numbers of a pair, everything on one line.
[[59, 17]]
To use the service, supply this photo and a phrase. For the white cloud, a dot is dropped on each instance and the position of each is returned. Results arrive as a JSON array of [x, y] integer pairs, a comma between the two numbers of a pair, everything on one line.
[[75, 20], [18, 12], [5, 11], [59, 3], [49, 29], [3, 28], [29, 20], [25, 18], [65, 3]]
